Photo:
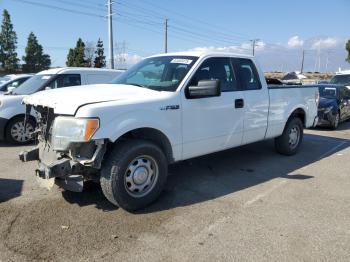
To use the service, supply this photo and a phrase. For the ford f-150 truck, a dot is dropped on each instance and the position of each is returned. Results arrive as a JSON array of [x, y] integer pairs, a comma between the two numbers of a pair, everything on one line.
[[165, 109]]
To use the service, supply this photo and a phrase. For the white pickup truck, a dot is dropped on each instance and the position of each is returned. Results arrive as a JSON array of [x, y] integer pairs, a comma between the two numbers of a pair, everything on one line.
[[165, 109]]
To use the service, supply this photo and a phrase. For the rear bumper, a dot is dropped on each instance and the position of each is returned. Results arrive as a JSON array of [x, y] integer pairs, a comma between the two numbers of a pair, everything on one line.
[[3, 123]]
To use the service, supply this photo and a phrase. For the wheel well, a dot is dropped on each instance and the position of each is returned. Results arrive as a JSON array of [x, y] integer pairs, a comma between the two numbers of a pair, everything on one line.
[[300, 113], [153, 135], [16, 116]]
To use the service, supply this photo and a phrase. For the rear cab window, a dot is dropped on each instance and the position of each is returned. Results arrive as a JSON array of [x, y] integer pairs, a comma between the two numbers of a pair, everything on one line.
[[247, 74]]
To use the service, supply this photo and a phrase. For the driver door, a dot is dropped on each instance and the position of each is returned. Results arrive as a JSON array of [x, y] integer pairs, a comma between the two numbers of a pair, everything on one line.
[[213, 123]]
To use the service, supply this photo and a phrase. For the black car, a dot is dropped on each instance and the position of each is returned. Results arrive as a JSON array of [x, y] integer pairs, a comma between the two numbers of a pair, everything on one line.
[[334, 106]]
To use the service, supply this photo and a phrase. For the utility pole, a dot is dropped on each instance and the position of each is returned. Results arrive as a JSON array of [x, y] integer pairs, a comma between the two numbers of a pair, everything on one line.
[[110, 35], [302, 62], [254, 41], [166, 37], [327, 60]]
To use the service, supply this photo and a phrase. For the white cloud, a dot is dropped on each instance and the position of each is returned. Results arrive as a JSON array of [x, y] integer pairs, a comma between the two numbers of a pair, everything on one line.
[[295, 41], [125, 60], [244, 48], [328, 42], [280, 56]]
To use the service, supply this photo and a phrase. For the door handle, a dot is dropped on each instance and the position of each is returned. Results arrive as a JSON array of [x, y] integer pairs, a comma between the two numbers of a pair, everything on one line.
[[239, 103]]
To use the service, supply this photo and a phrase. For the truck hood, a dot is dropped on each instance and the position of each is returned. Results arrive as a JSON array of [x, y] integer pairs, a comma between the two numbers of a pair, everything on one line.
[[68, 100]]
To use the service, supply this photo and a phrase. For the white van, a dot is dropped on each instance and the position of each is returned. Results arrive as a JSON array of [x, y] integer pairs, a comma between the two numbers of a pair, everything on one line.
[[10, 82], [12, 110]]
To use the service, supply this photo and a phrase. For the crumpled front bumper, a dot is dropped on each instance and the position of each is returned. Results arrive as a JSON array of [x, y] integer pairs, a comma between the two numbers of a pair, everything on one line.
[[325, 118], [68, 172]]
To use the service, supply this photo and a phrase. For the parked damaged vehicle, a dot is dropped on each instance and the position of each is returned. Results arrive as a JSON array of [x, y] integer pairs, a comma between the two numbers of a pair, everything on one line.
[[165, 109], [334, 106]]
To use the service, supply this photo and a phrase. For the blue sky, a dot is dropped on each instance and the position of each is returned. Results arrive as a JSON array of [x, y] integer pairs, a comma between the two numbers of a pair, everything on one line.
[[284, 28]]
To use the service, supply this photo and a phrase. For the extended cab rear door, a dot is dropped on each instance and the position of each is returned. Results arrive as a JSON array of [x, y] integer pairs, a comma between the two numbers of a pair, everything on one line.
[[256, 99], [213, 123]]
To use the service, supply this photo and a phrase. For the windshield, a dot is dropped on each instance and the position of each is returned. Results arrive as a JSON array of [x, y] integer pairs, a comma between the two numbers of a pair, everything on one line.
[[32, 85], [341, 80], [162, 73], [328, 92], [4, 79]]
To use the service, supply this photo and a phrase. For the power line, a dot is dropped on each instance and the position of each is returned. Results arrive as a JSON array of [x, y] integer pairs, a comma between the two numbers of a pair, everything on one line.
[[80, 5], [177, 31], [215, 32], [60, 8], [197, 20]]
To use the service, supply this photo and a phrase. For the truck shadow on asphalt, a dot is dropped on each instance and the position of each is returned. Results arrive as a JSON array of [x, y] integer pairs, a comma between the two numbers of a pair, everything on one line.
[[219, 174], [10, 188]]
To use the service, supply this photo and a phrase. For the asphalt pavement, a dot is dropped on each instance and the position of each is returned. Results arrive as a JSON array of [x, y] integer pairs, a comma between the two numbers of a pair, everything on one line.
[[244, 204]]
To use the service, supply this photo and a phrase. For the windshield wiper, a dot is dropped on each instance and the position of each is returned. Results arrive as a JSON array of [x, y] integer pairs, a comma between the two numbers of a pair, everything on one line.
[[134, 84], [9, 93]]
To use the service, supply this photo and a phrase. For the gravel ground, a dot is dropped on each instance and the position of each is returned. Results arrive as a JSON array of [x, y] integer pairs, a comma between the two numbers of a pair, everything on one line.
[[245, 204]]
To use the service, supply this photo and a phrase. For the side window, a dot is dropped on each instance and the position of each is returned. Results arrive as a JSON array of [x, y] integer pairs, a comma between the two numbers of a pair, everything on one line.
[[65, 80], [98, 79], [15, 83], [347, 92], [217, 68], [247, 74]]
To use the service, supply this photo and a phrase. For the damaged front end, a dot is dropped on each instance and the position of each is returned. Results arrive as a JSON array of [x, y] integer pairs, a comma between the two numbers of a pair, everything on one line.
[[69, 165]]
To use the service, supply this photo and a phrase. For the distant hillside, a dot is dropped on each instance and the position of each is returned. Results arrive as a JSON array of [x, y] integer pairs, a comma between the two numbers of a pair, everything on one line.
[[310, 75]]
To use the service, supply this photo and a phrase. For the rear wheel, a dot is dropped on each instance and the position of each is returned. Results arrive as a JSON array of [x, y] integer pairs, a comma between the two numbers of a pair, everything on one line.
[[16, 133], [134, 174], [289, 142]]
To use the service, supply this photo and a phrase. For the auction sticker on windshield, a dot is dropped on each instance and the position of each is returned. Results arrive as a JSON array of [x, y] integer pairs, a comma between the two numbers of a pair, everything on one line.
[[181, 61]]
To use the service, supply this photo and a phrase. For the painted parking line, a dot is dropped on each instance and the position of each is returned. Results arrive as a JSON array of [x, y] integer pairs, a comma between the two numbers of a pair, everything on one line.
[[264, 194], [283, 182], [333, 149]]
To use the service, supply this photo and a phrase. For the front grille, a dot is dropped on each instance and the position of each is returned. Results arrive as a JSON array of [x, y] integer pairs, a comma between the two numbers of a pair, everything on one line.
[[45, 118]]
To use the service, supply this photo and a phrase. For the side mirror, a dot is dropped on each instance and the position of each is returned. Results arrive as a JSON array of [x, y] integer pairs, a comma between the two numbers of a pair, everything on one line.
[[47, 88], [205, 88]]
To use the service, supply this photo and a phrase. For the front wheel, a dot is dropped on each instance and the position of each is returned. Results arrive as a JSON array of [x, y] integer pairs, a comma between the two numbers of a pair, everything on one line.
[[16, 133], [289, 142], [134, 174], [335, 122]]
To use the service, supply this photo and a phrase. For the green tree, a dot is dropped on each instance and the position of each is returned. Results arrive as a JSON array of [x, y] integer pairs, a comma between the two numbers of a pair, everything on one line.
[[100, 58], [76, 56], [8, 44], [347, 47], [35, 60]]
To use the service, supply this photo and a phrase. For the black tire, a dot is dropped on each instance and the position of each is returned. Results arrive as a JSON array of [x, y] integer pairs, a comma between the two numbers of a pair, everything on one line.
[[283, 143], [13, 125], [336, 121], [116, 171]]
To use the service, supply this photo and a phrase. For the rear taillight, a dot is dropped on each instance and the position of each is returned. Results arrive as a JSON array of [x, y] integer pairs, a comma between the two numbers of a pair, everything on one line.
[[317, 97]]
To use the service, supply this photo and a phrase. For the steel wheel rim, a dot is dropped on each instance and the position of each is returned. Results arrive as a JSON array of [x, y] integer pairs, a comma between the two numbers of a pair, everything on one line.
[[294, 137], [141, 176], [18, 133]]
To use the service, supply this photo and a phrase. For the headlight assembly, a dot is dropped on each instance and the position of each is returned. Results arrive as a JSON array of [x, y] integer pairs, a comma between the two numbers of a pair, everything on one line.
[[68, 130]]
